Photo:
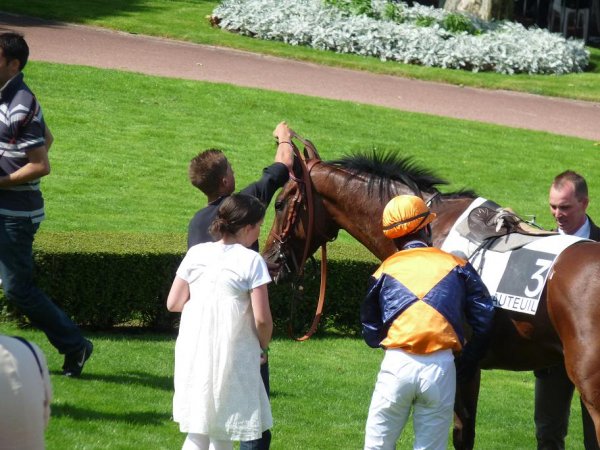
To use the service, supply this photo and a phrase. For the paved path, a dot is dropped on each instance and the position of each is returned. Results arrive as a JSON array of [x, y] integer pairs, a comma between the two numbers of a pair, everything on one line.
[[74, 44]]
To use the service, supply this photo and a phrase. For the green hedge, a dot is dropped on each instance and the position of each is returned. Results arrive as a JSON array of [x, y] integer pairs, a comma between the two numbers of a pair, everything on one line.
[[106, 279], [103, 280], [346, 287]]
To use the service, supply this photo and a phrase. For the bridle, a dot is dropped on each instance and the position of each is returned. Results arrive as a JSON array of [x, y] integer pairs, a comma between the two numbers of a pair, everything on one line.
[[304, 195]]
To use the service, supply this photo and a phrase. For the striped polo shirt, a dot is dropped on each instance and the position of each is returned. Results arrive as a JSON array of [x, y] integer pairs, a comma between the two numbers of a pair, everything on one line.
[[22, 129]]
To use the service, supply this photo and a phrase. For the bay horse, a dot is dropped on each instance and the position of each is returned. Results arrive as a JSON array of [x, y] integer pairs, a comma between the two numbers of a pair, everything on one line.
[[350, 194]]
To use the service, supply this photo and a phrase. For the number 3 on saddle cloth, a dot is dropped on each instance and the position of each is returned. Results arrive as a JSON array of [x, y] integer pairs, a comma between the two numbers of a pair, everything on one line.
[[513, 261]]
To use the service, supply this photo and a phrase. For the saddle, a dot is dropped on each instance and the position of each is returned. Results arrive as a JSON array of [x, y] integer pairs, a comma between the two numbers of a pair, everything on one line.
[[499, 229]]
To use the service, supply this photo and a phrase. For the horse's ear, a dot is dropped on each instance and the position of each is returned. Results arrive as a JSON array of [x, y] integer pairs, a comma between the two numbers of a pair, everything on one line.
[[297, 168], [310, 151]]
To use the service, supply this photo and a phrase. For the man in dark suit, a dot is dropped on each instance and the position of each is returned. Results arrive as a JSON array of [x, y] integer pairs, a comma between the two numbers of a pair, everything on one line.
[[553, 389]]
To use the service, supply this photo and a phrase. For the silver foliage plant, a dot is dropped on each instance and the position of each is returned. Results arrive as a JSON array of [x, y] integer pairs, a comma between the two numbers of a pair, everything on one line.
[[503, 47]]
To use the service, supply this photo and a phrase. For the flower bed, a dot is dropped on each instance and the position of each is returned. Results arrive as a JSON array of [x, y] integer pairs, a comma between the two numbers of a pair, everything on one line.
[[414, 35]]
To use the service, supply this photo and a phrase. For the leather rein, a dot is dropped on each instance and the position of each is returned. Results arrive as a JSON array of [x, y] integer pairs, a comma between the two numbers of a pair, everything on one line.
[[304, 196]]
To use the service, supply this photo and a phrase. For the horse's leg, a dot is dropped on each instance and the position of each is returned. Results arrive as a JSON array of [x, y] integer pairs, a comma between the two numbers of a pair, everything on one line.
[[592, 405], [574, 307], [583, 369], [465, 413]]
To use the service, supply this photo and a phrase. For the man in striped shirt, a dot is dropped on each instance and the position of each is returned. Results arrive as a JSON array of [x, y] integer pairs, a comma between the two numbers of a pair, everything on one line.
[[24, 144]]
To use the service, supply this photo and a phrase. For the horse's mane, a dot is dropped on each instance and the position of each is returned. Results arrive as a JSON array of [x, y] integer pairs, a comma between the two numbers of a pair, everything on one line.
[[384, 168], [460, 194]]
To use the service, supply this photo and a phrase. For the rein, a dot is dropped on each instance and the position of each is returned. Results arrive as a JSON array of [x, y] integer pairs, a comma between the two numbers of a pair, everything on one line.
[[305, 195]]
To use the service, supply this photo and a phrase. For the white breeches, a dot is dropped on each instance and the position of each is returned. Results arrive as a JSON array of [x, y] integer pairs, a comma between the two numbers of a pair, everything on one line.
[[427, 383]]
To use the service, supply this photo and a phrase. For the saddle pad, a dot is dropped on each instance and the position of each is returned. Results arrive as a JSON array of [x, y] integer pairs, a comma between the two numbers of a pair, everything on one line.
[[461, 236], [516, 278]]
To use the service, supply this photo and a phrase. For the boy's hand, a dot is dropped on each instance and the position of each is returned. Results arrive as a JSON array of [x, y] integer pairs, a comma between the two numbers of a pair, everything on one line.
[[282, 132]]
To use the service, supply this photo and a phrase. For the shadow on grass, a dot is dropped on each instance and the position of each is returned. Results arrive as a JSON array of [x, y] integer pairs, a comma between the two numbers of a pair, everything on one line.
[[75, 11], [330, 333], [133, 333], [129, 378], [83, 11], [85, 414]]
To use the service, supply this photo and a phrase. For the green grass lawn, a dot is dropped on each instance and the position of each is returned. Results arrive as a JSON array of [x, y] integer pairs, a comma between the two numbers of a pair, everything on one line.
[[321, 391], [123, 143], [186, 20]]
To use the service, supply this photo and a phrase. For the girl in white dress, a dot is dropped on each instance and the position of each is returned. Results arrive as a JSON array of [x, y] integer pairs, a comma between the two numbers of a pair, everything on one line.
[[221, 290]]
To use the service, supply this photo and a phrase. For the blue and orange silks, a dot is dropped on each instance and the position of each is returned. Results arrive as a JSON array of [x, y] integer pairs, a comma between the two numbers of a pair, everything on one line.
[[419, 299]]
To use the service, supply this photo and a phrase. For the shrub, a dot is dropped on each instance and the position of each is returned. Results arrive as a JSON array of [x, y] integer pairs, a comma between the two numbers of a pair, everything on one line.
[[424, 21], [458, 23], [393, 12], [346, 287], [103, 280], [356, 7], [449, 40]]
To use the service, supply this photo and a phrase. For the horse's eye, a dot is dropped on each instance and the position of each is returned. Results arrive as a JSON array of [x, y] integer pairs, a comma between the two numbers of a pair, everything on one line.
[[278, 206]]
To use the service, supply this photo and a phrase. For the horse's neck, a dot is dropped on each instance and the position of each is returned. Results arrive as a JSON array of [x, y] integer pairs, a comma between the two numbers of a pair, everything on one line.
[[355, 210], [448, 211], [352, 208]]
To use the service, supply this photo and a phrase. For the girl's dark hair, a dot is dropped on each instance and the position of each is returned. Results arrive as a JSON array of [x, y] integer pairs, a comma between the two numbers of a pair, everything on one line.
[[235, 212]]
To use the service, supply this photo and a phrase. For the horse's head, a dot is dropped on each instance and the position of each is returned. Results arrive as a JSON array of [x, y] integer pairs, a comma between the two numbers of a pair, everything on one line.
[[350, 194], [301, 224]]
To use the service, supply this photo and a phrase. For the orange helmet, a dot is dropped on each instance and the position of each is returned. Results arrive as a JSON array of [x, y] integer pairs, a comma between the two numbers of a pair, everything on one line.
[[405, 214]]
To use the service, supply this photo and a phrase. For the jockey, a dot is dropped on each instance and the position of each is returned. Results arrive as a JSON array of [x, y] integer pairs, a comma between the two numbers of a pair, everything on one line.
[[414, 309]]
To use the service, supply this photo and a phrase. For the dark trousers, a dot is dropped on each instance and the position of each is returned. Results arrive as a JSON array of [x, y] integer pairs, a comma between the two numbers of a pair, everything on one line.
[[16, 272], [553, 395], [265, 441]]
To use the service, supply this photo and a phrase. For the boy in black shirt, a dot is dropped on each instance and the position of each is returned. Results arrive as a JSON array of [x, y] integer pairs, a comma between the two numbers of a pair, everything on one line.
[[210, 172]]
